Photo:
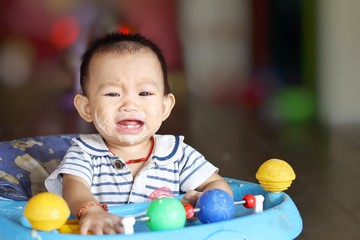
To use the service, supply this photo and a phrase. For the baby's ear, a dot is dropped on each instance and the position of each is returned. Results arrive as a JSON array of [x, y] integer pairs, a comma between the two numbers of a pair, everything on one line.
[[168, 104], [82, 105]]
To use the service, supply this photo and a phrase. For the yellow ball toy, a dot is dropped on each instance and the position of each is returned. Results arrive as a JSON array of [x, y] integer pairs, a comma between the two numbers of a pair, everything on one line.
[[275, 175], [46, 211]]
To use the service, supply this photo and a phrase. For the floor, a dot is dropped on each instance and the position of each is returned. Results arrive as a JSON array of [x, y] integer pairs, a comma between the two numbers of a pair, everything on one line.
[[326, 161]]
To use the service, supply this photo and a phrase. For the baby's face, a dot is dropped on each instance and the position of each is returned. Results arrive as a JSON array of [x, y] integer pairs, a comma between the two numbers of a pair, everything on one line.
[[126, 96]]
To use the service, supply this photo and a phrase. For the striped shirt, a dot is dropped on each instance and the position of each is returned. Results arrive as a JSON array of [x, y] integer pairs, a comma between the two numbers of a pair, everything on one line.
[[173, 164]]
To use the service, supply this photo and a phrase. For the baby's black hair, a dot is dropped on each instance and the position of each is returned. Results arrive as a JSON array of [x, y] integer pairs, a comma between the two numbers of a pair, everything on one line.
[[118, 42]]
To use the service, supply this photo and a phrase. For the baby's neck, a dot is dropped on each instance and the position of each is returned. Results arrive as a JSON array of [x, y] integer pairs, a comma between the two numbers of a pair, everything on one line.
[[132, 152]]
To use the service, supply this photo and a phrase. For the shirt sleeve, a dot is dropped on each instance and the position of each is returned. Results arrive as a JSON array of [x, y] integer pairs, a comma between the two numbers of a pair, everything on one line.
[[76, 163], [194, 169]]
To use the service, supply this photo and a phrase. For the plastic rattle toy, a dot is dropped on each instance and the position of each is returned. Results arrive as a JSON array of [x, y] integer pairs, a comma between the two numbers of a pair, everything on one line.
[[46, 211], [166, 214], [213, 206], [217, 205], [275, 175]]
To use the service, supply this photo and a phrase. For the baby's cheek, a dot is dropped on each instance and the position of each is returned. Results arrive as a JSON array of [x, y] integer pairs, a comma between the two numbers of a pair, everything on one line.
[[104, 121]]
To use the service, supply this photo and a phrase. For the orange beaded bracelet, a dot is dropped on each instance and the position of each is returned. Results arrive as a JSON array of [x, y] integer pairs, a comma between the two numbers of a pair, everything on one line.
[[83, 208]]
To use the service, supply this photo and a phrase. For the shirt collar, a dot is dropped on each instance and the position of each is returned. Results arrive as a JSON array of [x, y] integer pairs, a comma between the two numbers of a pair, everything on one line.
[[168, 148], [93, 144]]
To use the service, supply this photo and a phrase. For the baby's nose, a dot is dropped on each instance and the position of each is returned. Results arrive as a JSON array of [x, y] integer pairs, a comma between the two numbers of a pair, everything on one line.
[[129, 105]]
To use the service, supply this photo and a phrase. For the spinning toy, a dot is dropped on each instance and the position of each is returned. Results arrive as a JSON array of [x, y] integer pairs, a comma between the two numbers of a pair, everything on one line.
[[168, 213]]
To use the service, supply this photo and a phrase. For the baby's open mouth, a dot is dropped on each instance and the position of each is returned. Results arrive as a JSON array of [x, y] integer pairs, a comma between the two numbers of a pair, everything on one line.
[[130, 126]]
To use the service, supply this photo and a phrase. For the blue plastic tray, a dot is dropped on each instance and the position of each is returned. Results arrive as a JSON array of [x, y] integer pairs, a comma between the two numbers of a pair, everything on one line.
[[279, 220]]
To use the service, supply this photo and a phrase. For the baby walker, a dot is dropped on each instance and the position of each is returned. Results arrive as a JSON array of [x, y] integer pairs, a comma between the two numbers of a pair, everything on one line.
[[257, 211]]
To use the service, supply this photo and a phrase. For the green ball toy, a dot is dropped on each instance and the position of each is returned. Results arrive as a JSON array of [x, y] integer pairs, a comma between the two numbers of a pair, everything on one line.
[[166, 214]]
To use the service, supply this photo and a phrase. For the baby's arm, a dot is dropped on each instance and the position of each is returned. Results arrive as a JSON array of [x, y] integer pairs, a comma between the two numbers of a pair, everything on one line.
[[77, 194], [215, 181]]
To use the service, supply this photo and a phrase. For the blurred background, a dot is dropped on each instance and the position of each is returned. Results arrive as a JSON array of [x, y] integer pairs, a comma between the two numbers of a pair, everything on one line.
[[254, 79], [286, 61]]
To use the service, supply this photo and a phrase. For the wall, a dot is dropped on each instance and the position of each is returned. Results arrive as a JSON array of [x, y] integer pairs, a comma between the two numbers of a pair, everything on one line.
[[339, 61]]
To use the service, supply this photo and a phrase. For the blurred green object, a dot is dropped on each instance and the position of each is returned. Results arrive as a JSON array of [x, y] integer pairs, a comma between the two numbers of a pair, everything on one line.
[[294, 105], [166, 214]]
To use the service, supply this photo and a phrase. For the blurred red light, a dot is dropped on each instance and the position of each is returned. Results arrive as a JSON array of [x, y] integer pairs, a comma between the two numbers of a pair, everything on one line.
[[64, 32], [124, 29]]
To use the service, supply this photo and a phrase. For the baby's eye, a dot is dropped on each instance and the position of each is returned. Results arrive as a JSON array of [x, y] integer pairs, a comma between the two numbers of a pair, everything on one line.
[[145, 94], [112, 94]]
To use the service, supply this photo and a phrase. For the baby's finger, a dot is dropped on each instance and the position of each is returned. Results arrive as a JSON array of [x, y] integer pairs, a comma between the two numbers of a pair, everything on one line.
[[109, 230], [84, 228], [118, 229], [113, 226], [108, 226], [191, 197], [97, 230]]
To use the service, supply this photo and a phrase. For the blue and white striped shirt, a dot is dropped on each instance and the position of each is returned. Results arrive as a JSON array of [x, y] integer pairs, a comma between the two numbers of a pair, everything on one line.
[[173, 164]]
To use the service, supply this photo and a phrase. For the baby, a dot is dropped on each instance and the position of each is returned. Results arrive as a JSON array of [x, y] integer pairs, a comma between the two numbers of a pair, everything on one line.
[[125, 94]]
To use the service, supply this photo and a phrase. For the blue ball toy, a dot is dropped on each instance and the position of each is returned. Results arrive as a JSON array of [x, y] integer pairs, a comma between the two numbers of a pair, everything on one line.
[[215, 205]]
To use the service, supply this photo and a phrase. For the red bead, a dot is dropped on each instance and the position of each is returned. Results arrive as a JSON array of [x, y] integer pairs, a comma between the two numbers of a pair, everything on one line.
[[250, 201], [189, 210]]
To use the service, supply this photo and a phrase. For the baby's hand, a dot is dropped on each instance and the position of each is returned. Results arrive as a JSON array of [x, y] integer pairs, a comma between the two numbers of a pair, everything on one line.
[[99, 222], [191, 197]]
